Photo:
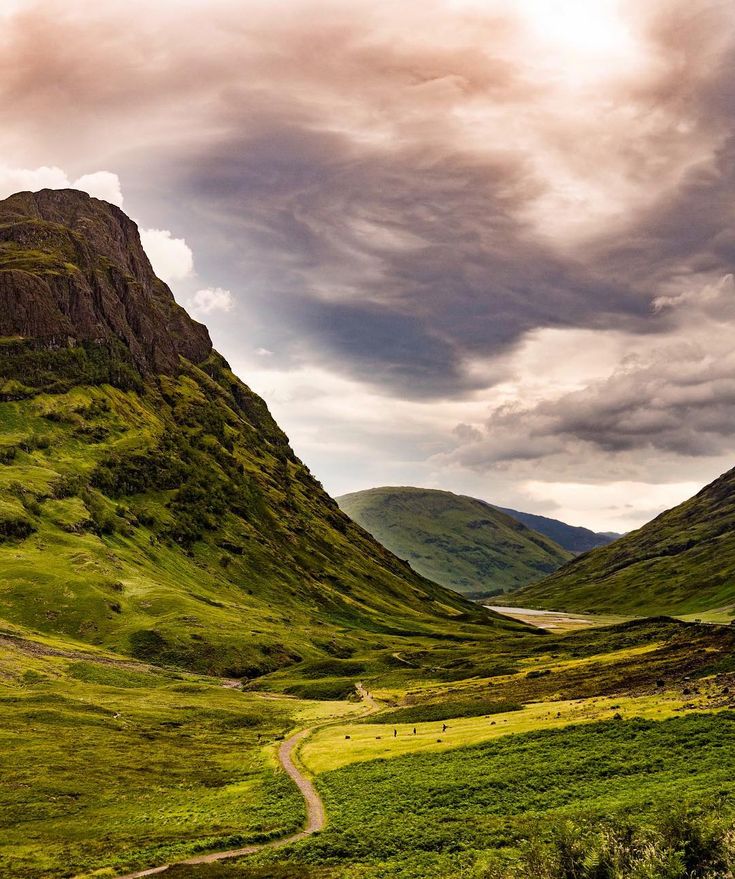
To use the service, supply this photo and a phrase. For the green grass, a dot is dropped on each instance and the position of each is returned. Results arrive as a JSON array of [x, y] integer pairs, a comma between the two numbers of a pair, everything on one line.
[[438, 814], [347, 743], [683, 562], [112, 763], [462, 543], [164, 523], [126, 766]]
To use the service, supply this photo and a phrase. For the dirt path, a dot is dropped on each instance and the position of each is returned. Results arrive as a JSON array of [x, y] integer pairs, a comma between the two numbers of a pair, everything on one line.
[[315, 814]]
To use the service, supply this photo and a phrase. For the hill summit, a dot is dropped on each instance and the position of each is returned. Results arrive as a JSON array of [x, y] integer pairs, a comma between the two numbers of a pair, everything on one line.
[[461, 542], [74, 271], [149, 503]]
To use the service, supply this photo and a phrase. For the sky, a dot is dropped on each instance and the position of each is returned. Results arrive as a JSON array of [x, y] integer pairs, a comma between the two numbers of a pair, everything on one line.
[[478, 245]]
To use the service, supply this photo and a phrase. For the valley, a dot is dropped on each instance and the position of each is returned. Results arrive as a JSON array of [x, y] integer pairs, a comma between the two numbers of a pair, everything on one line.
[[208, 670], [129, 766]]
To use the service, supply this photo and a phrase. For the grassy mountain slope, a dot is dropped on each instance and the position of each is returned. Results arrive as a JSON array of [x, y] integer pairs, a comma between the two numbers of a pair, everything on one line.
[[148, 501], [460, 542], [571, 537], [681, 562]]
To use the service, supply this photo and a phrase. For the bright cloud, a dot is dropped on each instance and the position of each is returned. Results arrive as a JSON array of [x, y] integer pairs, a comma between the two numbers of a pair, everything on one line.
[[103, 185], [212, 299], [100, 184], [171, 258]]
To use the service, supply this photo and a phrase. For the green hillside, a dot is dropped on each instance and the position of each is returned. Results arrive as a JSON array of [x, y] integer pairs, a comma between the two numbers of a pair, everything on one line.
[[682, 562], [458, 541], [148, 501]]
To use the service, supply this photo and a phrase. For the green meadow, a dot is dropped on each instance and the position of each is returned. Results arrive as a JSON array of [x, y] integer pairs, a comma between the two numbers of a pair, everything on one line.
[[111, 764]]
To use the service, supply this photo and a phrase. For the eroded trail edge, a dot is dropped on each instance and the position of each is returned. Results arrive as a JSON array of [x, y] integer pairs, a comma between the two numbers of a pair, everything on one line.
[[315, 813]]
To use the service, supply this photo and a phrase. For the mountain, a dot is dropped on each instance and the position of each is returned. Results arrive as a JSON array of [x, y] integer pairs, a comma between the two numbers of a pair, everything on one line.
[[460, 542], [149, 503], [681, 562], [572, 537]]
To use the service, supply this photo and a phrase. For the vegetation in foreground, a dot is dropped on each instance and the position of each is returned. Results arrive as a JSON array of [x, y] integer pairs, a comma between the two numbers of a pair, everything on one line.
[[111, 764], [681, 841], [106, 762], [585, 802]]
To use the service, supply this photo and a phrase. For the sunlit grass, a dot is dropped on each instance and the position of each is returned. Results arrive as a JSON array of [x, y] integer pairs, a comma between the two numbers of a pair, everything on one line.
[[343, 744]]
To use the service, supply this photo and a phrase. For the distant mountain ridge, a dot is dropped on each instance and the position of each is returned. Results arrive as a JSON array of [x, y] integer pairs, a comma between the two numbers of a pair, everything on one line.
[[575, 538], [683, 561], [461, 542]]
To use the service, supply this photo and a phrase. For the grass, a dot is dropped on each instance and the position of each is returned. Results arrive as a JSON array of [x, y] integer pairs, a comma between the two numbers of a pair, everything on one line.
[[445, 813], [345, 744], [683, 562], [656, 797], [125, 765], [116, 764], [163, 523], [112, 764], [462, 543]]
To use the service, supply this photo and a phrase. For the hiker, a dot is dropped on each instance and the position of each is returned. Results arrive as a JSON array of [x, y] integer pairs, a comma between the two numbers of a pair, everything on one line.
[[414, 730], [395, 733], [444, 727]]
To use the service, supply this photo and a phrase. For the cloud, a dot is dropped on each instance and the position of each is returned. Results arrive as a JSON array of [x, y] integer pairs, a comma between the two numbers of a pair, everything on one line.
[[673, 397], [212, 299], [14, 180], [518, 223], [100, 184], [171, 258]]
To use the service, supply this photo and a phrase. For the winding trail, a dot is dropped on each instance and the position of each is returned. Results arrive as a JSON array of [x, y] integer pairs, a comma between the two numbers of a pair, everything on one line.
[[315, 813]]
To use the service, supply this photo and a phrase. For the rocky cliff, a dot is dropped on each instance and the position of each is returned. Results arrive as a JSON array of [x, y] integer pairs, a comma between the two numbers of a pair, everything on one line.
[[73, 270]]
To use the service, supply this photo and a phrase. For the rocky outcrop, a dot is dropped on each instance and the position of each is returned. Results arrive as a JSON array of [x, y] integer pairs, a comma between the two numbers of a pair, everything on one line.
[[73, 270]]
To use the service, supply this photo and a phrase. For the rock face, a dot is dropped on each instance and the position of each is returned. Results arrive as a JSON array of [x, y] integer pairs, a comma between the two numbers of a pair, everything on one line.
[[73, 270]]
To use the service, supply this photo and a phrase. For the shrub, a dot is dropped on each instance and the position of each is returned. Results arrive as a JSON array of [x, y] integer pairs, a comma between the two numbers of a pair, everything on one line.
[[7, 454], [15, 527], [330, 668], [326, 690], [683, 843]]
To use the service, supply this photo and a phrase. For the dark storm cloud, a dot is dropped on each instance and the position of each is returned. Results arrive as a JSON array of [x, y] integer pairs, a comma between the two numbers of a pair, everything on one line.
[[677, 397], [399, 263], [407, 190], [402, 258]]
